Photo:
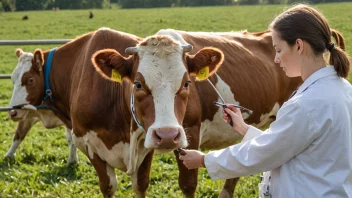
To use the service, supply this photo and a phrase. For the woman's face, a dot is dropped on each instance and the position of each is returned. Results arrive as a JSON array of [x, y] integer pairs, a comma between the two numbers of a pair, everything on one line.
[[287, 56]]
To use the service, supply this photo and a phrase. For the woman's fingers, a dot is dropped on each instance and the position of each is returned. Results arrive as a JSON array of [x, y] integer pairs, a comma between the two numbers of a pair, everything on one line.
[[230, 112]]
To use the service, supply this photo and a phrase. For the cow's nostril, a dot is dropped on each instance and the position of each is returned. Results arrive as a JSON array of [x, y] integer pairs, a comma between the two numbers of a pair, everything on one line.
[[177, 138], [157, 137]]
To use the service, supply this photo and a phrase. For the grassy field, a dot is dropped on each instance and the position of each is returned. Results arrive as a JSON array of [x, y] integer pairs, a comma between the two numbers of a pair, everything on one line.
[[39, 168]]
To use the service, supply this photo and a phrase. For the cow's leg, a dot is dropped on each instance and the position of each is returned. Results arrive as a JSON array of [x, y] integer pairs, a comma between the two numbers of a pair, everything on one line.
[[106, 174], [228, 188], [23, 127], [140, 178], [72, 156], [188, 179]]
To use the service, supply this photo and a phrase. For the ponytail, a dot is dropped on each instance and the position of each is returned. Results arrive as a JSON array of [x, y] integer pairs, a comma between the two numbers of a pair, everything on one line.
[[338, 57]]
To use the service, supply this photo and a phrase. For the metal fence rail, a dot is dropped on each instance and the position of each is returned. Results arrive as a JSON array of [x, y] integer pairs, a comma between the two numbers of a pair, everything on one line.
[[5, 76], [30, 42], [34, 42]]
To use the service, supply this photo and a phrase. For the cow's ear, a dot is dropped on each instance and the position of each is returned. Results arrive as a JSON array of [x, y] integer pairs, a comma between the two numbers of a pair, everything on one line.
[[19, 52], [111, 65], [38, 59], [205, 62]]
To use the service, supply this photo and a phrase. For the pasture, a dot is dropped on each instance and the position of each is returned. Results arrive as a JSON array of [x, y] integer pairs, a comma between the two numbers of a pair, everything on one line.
[[39, 168]]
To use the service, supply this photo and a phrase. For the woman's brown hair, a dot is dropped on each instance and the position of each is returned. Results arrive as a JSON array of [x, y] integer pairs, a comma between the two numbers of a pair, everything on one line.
[[306, 23]]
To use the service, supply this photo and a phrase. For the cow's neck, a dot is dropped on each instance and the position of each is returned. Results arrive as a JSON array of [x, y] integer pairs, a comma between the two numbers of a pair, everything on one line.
[[60, 78]]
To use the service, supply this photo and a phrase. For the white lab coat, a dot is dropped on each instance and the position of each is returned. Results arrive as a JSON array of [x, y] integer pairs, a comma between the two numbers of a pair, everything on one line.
[[308, 147]]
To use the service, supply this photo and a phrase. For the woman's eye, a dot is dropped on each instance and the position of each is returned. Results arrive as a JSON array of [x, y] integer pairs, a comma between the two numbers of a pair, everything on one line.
[[30, 81], [138, 85]]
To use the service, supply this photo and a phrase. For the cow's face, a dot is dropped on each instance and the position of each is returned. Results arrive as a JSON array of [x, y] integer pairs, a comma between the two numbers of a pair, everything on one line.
[[28, 83], [160, 70]]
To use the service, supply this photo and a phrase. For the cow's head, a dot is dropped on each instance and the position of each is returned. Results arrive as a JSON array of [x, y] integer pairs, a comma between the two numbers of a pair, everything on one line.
[[160, 69], [28, 82]]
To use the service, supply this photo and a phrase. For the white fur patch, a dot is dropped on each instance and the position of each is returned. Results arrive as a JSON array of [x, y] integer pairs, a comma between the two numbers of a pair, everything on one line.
[[125, 157], [265, 118], [117, 157], [48, 119], [175, 34], [72, 155], [26, 124], [137, 151], [217, 134], [112, 178], [11, 152], [19, 93], [29, 107], [79, 143]]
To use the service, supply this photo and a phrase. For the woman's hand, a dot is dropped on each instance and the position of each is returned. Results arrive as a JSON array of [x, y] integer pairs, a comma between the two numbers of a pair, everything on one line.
[[234, 114], [192, 158]]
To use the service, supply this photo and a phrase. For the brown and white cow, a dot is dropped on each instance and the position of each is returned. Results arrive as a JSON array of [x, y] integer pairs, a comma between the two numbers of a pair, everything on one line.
[[27, 118], [98, 110], [248, 77]]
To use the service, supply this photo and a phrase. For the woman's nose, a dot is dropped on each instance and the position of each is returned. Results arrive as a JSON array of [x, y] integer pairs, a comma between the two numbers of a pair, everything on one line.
[[276, 59]]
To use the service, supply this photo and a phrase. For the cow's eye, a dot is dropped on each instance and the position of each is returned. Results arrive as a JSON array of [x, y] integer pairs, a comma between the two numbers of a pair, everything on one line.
[[186, 84], [30, 81], [138, 85]]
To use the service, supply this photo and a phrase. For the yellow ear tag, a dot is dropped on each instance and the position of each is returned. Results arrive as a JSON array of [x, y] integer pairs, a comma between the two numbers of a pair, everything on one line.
[[203, 73], [116, 76]]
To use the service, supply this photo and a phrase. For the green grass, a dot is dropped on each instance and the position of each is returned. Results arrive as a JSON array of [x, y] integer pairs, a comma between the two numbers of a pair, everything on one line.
[[39, 168]]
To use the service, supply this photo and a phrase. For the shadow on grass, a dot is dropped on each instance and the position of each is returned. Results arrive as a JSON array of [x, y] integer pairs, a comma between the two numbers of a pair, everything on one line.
[[7, 163], [59, 173]]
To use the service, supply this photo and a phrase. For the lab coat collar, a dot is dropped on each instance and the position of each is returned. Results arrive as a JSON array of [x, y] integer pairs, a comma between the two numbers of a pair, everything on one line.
[[321, 73]]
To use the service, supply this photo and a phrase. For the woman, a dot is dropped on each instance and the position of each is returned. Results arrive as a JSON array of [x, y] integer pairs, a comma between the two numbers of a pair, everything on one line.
[[308, 149]]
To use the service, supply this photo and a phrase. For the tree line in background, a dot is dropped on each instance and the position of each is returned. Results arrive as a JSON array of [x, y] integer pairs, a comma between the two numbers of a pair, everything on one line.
[[21, 5]]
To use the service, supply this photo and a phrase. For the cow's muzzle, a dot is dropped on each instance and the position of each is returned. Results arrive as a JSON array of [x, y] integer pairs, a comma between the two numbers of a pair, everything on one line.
[[167, 138], [17, 114]]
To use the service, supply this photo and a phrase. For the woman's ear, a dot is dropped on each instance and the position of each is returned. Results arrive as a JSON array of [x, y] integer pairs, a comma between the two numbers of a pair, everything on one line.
[[299, 45]]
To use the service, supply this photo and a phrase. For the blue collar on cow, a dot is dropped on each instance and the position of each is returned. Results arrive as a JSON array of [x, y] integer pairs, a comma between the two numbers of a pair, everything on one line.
[[47, 68], [134, 112]]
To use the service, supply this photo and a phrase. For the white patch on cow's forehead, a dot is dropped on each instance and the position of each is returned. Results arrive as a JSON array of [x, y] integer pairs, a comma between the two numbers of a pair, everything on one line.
[[177, 35], [24, 65], [161, 63], [19, 93], [172, 33], [232, 33], [162, 66]]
